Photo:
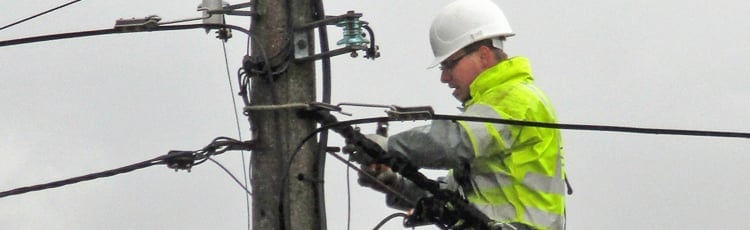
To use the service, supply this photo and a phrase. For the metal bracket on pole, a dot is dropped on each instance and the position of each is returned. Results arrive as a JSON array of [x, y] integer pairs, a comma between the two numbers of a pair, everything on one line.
[[232, 10]]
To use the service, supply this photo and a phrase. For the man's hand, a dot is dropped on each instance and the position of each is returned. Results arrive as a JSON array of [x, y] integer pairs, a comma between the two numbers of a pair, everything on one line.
[[379, 173]]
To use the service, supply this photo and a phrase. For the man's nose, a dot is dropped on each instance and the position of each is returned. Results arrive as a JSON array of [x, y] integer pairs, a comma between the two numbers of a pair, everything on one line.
[[445, 76]]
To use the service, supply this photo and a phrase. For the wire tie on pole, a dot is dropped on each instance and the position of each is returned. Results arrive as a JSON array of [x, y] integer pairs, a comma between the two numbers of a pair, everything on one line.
[[250, 108]]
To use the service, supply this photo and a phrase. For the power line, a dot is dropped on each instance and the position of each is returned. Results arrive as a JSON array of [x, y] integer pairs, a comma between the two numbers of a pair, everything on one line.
[[348, 201], [59, 36], [604, 128], [239, 133], [92, 176], [39, 14], [231, 175], [173, 159]]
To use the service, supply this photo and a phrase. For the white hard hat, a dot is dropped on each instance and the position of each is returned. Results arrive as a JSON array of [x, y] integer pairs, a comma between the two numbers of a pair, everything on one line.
[[464, 22]]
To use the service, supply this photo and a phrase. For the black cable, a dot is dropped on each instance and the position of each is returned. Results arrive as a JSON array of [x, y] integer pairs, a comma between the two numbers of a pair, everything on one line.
[[92, 176], [250, 25], [323, 138], [285, 177], [389, 218], [218, 146], [174, 159], [39, 14], [243, 79], [326, 60], [348, 201], [605, 128], [118, 31], [371, 52]]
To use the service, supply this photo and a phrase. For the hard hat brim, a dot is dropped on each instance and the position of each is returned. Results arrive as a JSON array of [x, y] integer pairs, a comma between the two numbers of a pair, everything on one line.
[[435, 62]]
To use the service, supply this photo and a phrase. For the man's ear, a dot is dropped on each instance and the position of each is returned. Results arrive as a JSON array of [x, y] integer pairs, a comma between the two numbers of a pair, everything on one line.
[[486, 57]]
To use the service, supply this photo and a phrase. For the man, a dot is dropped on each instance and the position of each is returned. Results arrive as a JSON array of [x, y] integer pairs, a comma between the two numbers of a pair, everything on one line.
[[514, 174]]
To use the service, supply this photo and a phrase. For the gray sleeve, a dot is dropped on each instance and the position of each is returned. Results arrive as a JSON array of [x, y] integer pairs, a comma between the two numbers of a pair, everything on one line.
[[440, 145]]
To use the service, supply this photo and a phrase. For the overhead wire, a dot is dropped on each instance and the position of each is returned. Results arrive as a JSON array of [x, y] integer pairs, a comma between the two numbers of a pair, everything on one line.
[[239, 133], [348, 200], [39, 14], [249, 25], [604, 128], [59, 36], [112, 31], [91, 176], [319, 14], [173, 159], [231, 175]]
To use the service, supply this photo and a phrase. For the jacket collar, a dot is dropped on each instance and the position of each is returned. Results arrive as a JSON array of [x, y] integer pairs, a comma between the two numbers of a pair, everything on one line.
[[512, 70]]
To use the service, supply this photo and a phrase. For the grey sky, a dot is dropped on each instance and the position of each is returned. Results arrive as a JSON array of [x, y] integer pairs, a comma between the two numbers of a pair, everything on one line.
[[82, 105]]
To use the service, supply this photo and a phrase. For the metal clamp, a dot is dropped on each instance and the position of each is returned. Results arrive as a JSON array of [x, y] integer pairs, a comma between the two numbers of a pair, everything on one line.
[[410, 113]]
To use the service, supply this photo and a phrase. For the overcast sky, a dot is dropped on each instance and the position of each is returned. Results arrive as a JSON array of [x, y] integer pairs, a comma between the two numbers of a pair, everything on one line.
[[76, 106]]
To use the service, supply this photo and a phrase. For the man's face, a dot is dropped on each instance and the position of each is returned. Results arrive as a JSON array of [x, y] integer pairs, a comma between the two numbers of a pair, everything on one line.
[[459, 71]]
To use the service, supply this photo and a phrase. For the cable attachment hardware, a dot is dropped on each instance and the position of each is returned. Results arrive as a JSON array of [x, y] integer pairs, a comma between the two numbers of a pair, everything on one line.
[[410, 113], [211, 11], [137, 24], [399, 113], [214, 11], [314, 106], [180, 160]]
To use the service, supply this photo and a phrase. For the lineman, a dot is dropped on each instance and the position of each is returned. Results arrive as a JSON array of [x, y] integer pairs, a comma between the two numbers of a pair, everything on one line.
[[513, 174]]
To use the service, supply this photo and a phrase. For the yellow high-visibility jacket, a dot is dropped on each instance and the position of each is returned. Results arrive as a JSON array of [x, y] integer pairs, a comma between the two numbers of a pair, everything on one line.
[[511, 173]]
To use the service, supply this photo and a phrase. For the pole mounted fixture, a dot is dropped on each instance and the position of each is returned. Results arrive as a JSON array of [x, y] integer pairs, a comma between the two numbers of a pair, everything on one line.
[[353, 38], [352, 32], [214, 11]]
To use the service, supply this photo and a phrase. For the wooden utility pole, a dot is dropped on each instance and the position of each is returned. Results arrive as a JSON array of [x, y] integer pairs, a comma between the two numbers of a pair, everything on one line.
[[278, 131]]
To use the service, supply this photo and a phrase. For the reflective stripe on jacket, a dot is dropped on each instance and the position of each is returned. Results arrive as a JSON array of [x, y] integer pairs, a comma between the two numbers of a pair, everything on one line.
[[516, 172]]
